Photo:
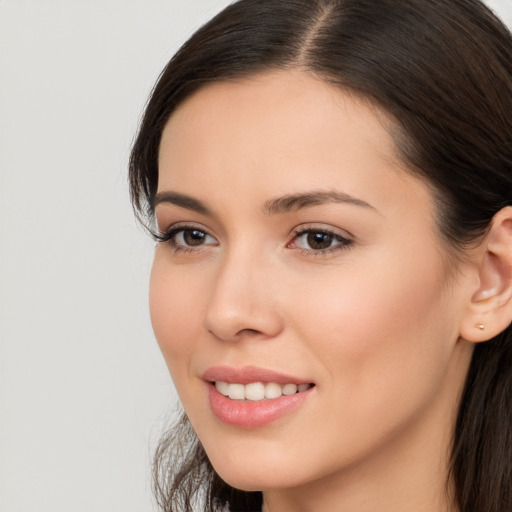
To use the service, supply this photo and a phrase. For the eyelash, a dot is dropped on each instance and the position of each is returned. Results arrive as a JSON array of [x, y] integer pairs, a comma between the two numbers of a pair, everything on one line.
[[168, 237], [343, 242]]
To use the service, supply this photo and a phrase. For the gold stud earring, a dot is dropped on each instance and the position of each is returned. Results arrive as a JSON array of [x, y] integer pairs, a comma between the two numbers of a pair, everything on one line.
[[479, 326]]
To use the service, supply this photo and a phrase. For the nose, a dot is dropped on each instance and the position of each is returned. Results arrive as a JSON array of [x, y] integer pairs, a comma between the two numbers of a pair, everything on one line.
[[242, 303]]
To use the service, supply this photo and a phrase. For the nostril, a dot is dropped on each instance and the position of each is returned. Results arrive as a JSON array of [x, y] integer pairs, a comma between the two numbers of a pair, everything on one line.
[[233, 318], [248, 332]]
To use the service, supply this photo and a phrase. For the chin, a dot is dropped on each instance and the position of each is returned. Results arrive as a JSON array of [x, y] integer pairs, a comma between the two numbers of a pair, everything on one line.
[[257, 471], [251, 481]]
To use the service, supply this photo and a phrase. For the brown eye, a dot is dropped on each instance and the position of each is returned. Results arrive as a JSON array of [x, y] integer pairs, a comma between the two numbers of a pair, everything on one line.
[[193, 237], [319, 241], [187, 238]]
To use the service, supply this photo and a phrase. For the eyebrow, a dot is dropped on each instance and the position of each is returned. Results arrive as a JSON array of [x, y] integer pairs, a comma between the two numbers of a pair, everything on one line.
[[279, 205], [294, 202], [181, 200]]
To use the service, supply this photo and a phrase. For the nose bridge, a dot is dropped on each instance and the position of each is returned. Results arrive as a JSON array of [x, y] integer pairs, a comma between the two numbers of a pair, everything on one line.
[[241, 299]]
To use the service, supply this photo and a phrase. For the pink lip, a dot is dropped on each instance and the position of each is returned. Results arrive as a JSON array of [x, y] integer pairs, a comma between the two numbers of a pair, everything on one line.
[[248, 374], [246, 414]]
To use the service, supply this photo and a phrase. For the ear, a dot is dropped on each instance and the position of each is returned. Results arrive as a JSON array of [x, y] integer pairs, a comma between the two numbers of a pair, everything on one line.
[[490, 308]]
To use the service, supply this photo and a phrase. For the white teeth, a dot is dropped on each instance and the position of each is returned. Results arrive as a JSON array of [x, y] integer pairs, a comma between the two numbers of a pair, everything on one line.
[[290, 389], [273, 390], [256, 391], [222, 387], [236, 391]]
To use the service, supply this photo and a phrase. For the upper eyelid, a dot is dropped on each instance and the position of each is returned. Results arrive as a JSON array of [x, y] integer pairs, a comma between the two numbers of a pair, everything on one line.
[[320, 227], [336, 236], [167, 237], [295, 232], [183, 225]]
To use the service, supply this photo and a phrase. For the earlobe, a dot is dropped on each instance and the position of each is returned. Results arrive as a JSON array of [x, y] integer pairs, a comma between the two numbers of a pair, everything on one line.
[[490, 308]]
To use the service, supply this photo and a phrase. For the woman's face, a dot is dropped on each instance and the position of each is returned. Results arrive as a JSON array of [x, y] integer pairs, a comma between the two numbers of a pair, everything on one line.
[[300, 254]]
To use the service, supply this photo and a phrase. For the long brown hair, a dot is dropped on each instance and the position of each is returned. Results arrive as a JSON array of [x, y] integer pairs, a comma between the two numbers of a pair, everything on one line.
[[442, 70]]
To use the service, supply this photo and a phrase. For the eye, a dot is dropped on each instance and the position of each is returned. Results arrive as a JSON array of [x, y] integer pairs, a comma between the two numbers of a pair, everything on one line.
[[191, 237], [186, 238], [318, 241]]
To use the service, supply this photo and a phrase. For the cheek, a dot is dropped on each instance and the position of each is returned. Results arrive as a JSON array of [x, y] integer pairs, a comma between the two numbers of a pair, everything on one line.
[[381, 324], [173, 307]]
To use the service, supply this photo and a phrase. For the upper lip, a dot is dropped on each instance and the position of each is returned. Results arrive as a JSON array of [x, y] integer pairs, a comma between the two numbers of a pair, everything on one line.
[[248, 374]]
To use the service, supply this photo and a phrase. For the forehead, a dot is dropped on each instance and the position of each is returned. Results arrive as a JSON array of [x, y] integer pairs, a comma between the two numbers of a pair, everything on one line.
[[284, 105], [277, 134]]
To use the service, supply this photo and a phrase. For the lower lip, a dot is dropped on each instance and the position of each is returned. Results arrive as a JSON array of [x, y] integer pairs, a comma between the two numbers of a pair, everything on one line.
[[247, 414]]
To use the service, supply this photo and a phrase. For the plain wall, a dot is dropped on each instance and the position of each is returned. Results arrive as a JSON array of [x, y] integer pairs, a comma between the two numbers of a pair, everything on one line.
[[84, 392], [83, 388]]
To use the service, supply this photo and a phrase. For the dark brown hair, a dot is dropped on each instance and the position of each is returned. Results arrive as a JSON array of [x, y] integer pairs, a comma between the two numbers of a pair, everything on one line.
[[442, 70]]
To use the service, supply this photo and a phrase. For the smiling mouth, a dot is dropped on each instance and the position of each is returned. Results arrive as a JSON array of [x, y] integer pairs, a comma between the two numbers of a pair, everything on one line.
[[257, 391]]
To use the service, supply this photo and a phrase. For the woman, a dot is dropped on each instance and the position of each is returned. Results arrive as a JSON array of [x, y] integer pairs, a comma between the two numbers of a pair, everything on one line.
[[330, 186]]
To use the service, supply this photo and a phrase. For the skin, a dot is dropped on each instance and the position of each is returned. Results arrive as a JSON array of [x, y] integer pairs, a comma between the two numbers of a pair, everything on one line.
[[374, 323]]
